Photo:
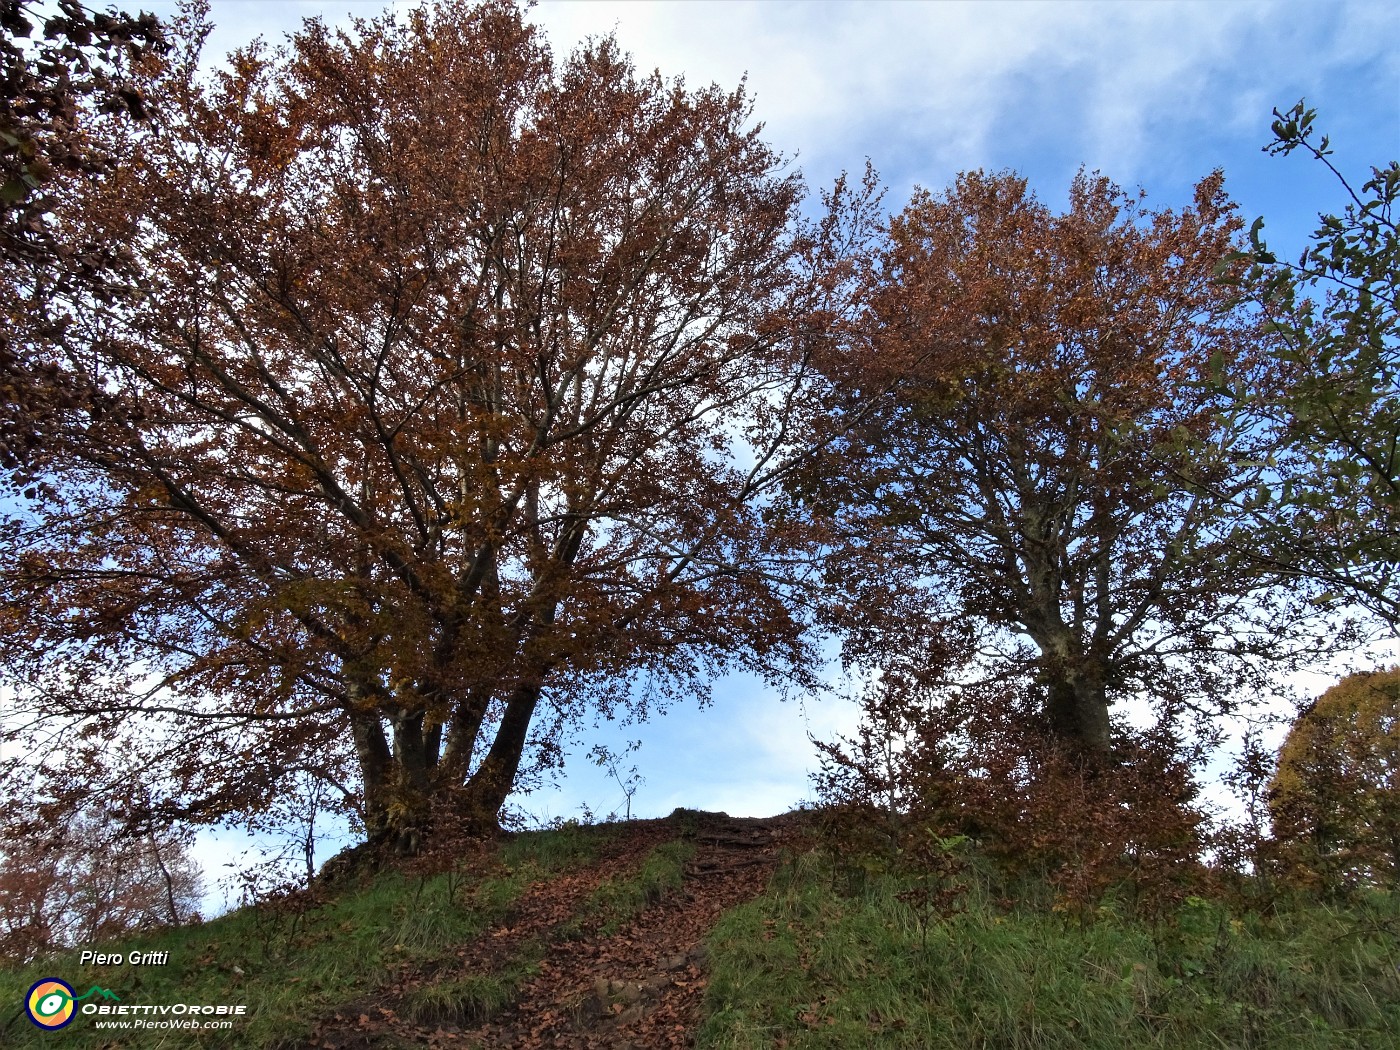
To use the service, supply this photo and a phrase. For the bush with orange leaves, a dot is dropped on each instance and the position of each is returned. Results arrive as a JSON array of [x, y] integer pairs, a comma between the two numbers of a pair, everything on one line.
[[980, 760]]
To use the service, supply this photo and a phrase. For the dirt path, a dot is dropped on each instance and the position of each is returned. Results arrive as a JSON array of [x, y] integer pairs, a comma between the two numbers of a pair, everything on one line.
[[642, 987]]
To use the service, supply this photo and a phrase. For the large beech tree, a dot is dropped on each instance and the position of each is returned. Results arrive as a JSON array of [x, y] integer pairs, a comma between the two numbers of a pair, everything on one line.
[[1043, 459], [442, 400]]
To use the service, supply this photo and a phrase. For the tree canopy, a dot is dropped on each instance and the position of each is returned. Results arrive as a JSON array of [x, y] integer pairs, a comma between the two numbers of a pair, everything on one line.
[[50, 65], [1335, 798], [1042, 452], [435, 397], [54, 63]]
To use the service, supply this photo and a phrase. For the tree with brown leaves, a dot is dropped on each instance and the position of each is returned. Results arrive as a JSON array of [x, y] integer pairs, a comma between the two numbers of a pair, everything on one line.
[[55, 62], [442, 404], [1043, 459], [90, 881]]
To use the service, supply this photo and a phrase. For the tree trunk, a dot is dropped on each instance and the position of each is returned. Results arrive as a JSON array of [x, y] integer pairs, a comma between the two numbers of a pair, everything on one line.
[[402, 782], [375, 766], [487, 790], [1078, 712], [460, 738], [1077, 693]]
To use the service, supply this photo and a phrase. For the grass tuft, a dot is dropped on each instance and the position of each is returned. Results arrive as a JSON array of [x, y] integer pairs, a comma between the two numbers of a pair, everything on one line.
[[466, 1000], [617, 901]]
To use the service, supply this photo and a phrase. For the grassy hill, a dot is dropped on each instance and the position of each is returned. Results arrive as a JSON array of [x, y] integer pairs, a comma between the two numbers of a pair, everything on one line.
[[706, 930]]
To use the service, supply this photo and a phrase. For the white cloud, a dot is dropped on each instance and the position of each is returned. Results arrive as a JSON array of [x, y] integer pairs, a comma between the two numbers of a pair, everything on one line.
[[930, 89]]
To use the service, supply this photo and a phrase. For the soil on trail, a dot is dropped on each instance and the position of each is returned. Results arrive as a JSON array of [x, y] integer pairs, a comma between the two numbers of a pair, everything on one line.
[[640, 987]]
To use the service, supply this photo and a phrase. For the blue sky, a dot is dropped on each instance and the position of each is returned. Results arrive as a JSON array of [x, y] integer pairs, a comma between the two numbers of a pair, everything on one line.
[[1155, 95]]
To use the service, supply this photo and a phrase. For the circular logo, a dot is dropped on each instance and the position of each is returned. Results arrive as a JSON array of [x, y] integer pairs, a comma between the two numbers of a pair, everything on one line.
[[50, 1003]]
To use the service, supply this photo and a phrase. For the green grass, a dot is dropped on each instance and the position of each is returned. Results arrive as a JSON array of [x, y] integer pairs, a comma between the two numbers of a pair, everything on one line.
[[289, 968], [827, 958], [474, 997], [617, 901], [804, 967]]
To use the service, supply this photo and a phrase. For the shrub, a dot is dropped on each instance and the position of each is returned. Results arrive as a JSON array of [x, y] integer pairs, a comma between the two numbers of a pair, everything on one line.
[[981, 761]]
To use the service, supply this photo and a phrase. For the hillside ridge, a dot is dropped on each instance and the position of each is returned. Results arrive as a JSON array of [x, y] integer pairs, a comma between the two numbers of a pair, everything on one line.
[[638, 985]]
